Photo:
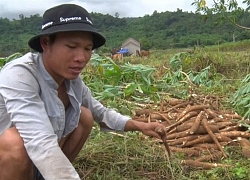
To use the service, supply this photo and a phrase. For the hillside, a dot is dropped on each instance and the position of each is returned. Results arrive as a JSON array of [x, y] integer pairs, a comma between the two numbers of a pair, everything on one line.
[[157, 31]]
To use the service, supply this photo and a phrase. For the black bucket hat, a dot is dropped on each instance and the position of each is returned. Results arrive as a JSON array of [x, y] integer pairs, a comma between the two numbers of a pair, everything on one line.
[[65, 18]]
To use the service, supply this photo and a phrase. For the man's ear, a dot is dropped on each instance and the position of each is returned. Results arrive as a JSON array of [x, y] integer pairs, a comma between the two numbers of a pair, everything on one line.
[[44, 41]]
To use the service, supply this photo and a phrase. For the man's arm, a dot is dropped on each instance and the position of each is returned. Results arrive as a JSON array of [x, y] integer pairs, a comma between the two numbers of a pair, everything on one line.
[[109, 119], [112, 120], [20, 91]]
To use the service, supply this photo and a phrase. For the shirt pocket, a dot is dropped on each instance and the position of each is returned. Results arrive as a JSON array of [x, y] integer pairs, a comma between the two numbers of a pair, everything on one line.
[[57, 119]]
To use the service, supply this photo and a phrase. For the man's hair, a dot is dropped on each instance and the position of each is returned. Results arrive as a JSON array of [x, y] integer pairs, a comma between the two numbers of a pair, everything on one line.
[[52, 38]]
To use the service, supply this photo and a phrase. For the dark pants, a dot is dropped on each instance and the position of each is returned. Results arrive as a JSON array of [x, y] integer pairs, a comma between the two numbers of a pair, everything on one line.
[[37, 174]]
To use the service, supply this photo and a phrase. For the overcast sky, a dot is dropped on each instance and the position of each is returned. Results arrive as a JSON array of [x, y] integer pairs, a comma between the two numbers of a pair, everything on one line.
[[126, 8]]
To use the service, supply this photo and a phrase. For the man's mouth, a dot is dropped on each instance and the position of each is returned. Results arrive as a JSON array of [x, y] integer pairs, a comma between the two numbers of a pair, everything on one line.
[[76, 70]]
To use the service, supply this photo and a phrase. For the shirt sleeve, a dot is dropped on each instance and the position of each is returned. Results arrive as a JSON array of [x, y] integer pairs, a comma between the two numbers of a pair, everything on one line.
[[20, 91], [112, 119]]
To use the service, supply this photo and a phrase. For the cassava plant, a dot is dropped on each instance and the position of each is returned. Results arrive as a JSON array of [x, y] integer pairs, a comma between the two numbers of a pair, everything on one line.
[[177, 78], [241, 100], [127, 81], [5, 60]]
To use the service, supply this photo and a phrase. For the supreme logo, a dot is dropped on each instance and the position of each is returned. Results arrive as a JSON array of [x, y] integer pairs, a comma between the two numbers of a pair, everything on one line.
[[87, 19], [47, 24], [70, 19]]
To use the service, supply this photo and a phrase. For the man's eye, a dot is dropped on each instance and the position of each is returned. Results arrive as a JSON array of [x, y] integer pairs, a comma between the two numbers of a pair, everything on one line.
[[71, 47]]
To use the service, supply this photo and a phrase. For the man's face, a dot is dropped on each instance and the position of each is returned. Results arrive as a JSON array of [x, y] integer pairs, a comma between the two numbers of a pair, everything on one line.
[[68, 55]]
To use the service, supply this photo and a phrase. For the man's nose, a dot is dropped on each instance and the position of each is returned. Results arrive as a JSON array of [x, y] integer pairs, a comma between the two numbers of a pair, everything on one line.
[[80, 57]]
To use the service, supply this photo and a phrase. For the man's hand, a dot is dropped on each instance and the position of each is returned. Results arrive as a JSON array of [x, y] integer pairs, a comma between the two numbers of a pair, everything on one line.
[[148, 129], [154, 129]]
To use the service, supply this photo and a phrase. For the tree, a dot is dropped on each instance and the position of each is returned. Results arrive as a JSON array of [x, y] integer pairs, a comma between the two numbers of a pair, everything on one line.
[[21, 16], [145, 43], [117, 15], [228, 9]]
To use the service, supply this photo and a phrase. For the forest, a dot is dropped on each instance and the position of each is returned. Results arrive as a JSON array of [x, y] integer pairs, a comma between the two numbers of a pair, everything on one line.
[[160, 31]]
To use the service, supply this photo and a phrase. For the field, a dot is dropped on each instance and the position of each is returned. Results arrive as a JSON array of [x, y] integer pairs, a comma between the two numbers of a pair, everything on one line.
[[128, 86], [135, 83]]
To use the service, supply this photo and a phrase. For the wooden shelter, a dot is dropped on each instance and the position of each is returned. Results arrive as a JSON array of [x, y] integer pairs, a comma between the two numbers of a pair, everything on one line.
[[132, 45]]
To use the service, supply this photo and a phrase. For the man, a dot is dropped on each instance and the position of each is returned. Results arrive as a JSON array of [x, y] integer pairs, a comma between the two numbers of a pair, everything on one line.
[[46, 111]]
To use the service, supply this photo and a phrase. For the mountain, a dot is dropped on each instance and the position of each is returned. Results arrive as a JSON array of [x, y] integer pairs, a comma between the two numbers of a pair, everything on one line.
[[157, 31]]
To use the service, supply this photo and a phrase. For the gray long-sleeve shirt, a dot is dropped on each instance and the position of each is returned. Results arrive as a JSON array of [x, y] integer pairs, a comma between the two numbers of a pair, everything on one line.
[[29, 101]]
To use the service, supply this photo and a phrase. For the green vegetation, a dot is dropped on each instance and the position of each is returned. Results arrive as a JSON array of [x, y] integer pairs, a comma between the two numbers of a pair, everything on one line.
[[134, 156], [159, 31], [220, 70], [108, 156], [180, 57]]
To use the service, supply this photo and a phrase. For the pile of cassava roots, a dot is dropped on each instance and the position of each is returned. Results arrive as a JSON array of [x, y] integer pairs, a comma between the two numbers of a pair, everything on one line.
[[199, 129]]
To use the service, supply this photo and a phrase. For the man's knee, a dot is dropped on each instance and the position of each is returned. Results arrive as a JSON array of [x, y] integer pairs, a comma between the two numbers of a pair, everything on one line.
[[86, 118], [12, 146], [14, 160]]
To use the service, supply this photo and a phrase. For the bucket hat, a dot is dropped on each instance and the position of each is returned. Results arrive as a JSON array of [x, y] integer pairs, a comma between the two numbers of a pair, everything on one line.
[[66, 18]]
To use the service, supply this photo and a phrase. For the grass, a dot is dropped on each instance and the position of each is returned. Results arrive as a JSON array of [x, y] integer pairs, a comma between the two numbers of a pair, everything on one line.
[[133, 156], [107, 156], [111, 157]]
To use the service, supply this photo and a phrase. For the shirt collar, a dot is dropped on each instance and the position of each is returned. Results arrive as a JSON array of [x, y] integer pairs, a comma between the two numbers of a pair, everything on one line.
[[44, 73]]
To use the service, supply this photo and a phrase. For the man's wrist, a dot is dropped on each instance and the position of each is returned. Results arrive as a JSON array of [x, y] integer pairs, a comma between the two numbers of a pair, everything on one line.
[[133, 125]]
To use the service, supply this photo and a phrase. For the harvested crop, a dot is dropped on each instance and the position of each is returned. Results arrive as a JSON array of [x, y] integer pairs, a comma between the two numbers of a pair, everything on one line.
[[245, 145], [210, 132], [202, 165], [196, 124], [200, 130], [163, 135]]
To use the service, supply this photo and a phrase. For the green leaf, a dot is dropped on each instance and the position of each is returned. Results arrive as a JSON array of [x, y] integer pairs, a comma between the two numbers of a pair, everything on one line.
[[139, 88], [130, 89], [12, 57]]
